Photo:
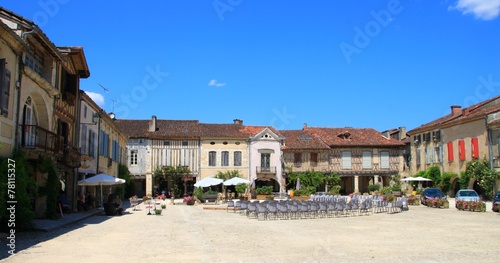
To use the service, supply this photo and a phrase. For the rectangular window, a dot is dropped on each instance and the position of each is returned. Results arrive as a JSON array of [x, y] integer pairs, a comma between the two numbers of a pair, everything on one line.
[[237, 158], [461, 150], [474, 143], [166, 143], [4, 87], [265, 162], [297, 159], [133, 157], [185, 143], [450, 151], [34, 60], [212, 158], [225, 158], [314, 159], [384, 160], [367, 160], [346, 160], [85, 111], [417, 155]]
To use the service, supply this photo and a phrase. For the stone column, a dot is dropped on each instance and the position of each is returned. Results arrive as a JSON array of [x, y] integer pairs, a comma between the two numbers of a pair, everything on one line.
[[356, 183], [149, 184], [376, 180]]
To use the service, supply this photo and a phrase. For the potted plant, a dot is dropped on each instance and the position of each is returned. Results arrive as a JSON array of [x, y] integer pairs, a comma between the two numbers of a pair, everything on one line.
[[240, 189], [157, 212], [163, 206], [373, 188], [263, 191]]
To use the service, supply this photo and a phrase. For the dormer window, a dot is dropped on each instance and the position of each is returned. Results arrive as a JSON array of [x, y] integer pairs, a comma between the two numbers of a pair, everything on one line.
[[345, 135]]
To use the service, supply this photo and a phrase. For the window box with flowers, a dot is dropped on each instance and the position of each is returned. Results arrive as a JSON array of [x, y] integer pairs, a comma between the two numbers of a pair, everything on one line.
[[475, 206], [188, 200], [413, 200], [437, 203]]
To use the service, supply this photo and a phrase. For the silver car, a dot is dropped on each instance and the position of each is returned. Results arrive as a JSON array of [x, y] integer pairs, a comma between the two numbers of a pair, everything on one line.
[[467, 195]]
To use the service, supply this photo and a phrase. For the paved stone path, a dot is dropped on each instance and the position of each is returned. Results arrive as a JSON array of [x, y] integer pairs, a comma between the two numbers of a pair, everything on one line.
[[191, 234]]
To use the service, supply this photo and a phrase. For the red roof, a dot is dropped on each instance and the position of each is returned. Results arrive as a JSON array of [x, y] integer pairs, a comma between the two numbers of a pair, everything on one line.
[[480, 109], [302, 140], [335, 137]]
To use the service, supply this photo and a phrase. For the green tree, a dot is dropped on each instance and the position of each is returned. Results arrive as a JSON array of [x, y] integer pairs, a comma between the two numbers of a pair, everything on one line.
[[332, 179], [24, 185], [128, 189], [310, 180], [51, 189], [228, 174], [446, 179], [484, 175], [173, 175], [434, 174]]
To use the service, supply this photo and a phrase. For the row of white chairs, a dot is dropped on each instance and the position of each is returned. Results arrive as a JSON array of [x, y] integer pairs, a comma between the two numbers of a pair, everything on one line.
[[292, 209]]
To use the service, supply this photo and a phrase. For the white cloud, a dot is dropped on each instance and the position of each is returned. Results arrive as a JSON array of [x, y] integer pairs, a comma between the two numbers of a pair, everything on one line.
[[214, 82], [97, 98], [481, 9]]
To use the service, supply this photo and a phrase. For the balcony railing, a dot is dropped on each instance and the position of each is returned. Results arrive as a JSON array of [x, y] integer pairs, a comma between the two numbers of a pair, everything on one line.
[[34, 137], [266, 169]]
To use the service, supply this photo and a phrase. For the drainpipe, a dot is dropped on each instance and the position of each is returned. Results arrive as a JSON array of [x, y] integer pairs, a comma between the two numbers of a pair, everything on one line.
[[18, 87]]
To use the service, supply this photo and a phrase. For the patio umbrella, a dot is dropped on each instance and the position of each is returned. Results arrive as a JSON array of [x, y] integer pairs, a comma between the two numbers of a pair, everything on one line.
[[209, 181], [235, 181], [298, 184], [101, 179], [407, 179]]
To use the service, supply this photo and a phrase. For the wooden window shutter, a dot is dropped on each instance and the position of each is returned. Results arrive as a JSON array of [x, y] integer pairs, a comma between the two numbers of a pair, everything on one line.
[[450, 151], [474, 148], [461, 150], [4, 87]]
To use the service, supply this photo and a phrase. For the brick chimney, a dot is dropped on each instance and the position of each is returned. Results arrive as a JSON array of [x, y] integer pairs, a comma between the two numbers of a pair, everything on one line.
[[152, 124], [238, 122], [455, 109]]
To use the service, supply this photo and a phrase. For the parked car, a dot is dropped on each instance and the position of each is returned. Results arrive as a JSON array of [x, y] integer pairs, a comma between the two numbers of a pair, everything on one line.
[[496, 202], [431, 193], [466, 195]]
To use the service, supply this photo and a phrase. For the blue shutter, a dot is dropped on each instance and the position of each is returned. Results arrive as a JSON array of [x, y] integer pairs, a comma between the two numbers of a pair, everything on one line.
[[441, 153], [101, 142], [498, 145]]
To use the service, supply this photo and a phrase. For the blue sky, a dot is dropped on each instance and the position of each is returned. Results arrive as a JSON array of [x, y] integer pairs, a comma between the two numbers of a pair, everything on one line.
[[376, 64]]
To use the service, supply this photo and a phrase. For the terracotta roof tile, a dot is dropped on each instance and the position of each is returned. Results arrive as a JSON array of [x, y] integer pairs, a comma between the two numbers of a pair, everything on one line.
[[165, 128], [477, 110], [302, 140], [335, 137]]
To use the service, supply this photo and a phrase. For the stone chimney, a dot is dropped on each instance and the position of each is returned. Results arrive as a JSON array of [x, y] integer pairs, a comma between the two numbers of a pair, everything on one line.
[[152, 124], [238, 122], [402, 133], [455, 109]]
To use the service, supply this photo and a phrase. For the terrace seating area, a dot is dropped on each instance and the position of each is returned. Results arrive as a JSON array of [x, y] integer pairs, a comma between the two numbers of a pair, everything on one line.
[[318, 207]]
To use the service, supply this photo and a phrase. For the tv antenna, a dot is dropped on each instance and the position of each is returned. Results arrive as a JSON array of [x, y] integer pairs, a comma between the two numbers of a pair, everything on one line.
[[105, 89], [114, 101]]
